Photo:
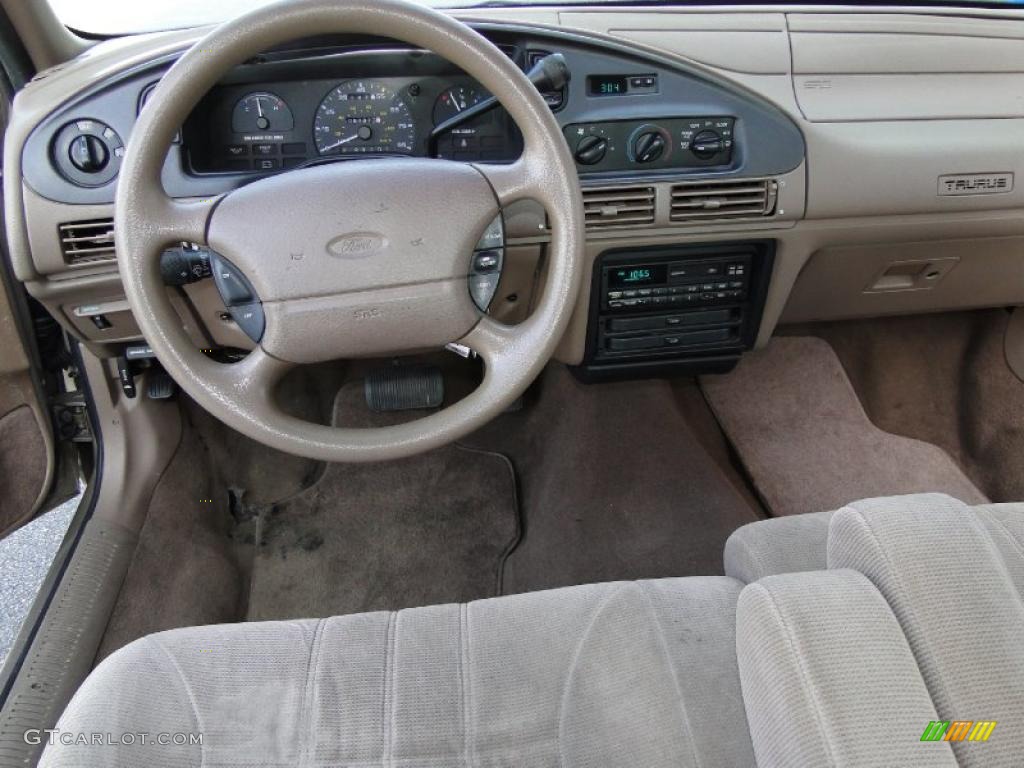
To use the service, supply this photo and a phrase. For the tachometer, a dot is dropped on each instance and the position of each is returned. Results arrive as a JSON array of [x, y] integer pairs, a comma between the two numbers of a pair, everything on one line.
[[363, 117]]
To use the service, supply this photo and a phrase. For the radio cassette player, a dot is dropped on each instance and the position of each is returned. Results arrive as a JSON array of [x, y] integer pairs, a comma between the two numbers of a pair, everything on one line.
[[676, 310]]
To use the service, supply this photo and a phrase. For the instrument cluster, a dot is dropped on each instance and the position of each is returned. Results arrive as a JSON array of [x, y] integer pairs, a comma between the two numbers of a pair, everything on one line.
[[271, 126]]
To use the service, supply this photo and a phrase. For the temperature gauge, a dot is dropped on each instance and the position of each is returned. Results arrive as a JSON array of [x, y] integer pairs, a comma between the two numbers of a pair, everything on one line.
[[456, 99], [261, 112]]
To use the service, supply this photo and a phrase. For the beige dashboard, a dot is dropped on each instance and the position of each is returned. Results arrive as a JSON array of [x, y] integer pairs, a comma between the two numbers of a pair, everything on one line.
[[910, 198]]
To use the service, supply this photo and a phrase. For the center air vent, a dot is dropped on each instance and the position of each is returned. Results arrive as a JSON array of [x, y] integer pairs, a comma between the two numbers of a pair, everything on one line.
[[618, 207], [708, 200], [87, 242]]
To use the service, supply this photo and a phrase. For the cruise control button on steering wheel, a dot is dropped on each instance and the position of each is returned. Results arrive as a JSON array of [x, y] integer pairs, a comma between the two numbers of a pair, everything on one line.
[[238, 296], [488, 260]]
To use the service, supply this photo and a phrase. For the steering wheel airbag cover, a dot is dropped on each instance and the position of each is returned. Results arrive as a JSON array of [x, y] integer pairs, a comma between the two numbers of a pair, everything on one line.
[[358, 257]]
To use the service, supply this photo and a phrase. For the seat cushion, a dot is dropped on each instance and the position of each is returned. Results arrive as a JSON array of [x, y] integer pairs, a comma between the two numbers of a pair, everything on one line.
[[828, 678], [953, 577], [627, 673]]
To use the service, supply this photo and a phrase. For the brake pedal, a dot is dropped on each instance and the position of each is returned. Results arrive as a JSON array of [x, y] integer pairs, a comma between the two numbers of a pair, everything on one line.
[[404, 388], [159, 386]]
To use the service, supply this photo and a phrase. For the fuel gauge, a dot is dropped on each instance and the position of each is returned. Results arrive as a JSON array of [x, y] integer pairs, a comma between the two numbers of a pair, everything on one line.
[[262, 111]]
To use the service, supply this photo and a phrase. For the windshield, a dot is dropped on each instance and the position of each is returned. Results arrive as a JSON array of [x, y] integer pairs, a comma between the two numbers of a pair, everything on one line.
[[121, 17]]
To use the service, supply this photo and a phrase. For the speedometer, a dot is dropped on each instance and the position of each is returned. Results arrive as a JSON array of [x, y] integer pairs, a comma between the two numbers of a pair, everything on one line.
[[363, 117]]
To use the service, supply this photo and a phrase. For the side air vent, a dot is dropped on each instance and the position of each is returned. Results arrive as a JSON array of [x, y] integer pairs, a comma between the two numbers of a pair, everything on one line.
[[87, 242], [709, 200], [608, 207]]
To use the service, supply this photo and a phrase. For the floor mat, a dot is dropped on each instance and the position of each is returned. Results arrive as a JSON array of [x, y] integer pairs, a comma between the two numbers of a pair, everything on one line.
[[430, 529], [801, 432], [943, 379], [616, 482]]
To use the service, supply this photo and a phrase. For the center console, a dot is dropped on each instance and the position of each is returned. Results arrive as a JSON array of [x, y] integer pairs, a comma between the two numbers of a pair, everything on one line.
[[679, 310]]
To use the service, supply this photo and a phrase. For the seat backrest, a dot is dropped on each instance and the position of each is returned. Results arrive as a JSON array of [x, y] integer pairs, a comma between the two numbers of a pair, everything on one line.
[[828, 678], [953, 578]]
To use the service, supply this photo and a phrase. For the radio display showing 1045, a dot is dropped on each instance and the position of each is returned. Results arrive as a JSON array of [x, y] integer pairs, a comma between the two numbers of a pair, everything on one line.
[[640, 275]]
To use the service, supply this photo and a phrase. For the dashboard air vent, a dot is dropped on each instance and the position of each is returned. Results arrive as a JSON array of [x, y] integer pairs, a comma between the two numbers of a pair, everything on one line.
[[733, 199], [607, 207], [87, 242]]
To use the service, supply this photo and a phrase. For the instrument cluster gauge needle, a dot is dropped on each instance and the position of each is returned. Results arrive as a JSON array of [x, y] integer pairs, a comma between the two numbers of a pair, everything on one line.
[[261, 112], [346, 140]]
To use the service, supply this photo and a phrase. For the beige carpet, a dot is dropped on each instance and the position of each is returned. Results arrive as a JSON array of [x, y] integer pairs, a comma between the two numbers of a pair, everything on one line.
[[942, 379], [802, 434], [434, 528], [617, 481]]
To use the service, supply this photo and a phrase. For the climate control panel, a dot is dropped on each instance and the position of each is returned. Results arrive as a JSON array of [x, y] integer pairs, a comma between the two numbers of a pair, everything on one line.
[[622, 145]]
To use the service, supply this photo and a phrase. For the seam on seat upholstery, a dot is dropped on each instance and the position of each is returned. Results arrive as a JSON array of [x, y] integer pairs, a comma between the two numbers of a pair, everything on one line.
[[762, 568], [663, 641], [306, 720], [567, 681], [801, 670], [188, 693], [464, 682], [1004, 529], [388, 707], [997, 556]]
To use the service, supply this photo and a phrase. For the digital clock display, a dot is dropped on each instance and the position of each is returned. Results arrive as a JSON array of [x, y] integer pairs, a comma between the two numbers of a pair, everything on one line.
[[643, 274], [607, 85]]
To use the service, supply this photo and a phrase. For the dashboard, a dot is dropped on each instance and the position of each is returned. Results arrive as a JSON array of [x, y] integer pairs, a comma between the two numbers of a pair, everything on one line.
[[625, 117], [871, 184], [659, 148]]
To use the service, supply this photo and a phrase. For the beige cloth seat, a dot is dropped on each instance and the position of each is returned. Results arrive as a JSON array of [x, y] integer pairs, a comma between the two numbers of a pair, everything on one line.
[[634, 673], [799, 542], [919, 618]]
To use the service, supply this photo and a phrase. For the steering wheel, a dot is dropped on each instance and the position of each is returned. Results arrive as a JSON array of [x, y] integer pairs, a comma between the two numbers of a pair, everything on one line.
[[349, 259]]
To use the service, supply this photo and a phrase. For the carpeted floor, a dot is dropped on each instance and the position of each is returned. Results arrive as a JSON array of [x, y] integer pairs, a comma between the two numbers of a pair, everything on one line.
[[184, 571], [942, 379], [616, 482], [583, 484], [805, 439], [429, 529]]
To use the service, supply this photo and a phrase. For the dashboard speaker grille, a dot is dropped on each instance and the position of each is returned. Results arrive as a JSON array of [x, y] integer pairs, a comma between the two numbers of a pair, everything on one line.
[[606, 207], [708, 200], [87, 242]]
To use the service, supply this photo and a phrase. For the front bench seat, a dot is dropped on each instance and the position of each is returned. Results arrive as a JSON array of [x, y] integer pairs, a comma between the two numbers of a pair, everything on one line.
[[627, 673]]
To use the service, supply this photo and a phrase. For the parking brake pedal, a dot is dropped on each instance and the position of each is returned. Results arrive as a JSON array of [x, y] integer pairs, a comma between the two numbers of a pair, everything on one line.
[[404, 388]]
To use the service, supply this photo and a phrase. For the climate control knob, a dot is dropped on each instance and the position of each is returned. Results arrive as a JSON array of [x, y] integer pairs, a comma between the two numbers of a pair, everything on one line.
[[706, 145], [648, 146], [591, 150]]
